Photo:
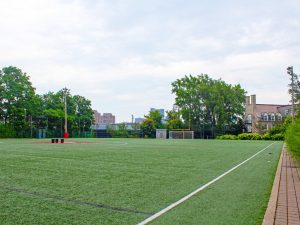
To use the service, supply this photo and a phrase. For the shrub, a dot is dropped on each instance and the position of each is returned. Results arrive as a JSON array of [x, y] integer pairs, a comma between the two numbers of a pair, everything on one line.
[[227, 137], [276, 130], [249, 136], [6, 131], [277, 137], [292, 137], [266, 136]]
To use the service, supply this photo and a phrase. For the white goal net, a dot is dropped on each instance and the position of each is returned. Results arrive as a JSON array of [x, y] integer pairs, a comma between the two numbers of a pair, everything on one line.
[[181, 134], [161, 133]]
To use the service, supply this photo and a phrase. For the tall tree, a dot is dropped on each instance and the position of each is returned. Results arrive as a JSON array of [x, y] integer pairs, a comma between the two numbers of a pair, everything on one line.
[[152, 122], [174, 121], [80, 113], [204, 100], [18, 98]]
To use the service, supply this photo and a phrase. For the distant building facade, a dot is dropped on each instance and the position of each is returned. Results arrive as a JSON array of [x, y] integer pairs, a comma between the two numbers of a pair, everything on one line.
[[106, 118], [97, 116], [261, 117], [161, 111], [139, 120]]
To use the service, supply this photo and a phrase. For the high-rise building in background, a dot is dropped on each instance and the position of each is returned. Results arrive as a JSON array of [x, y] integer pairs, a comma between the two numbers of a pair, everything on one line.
[[106, 118], [139, 120], [161, 111], [97, 116]]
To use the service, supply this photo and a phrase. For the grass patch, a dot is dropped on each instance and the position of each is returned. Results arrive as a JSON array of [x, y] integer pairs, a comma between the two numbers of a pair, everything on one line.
[[135, 174]]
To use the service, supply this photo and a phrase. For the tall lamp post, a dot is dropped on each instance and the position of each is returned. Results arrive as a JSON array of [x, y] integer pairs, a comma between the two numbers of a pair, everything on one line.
[[78, 114], [291, 73], [65, 92]]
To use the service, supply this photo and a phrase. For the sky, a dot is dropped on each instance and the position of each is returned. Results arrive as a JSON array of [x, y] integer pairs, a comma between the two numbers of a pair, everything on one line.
[[123, 55]]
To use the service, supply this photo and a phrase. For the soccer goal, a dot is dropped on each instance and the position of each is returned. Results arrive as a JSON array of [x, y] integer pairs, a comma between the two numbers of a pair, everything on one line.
[[161, 133], [181, 134]]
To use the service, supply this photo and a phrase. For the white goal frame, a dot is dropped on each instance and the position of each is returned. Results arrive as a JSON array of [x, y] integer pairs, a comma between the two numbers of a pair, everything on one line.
[[161, 133], [181, 134]]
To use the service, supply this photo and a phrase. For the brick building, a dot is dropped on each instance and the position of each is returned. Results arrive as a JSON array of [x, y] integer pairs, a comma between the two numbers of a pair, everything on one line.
[[261, 117], [106, 118]]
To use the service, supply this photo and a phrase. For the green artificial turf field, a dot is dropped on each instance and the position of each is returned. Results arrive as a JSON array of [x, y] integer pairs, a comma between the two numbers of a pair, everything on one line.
[[124, 181]]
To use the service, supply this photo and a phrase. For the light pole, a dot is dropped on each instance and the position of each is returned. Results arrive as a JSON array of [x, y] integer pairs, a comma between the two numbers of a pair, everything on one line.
[[65, 92], [291, 73], [78, 114], [25, 110]]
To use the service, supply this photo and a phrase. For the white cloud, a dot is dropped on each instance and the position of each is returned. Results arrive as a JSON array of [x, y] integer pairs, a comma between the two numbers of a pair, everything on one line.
[[123, 55]]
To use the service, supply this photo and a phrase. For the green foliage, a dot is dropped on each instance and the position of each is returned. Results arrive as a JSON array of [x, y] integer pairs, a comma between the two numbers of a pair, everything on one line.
[[208, 101], [227, 137], [277, 137], [148, 128], [120, 131], [275, 130], [294, 87], [174, 121], [6, 131], [152, 122], [249, 136], [266, 136], [18, 98], [292, 137], [22, 109], [253, 136]]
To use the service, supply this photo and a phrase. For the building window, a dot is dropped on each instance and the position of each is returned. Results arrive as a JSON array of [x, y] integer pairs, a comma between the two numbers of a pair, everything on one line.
[[265, 117], [286, 112], [272, 117], [249, 119], [269, 117], [279, 117]]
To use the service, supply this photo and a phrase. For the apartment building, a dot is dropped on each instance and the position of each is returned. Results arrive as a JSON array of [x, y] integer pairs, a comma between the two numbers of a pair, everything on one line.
[[105, 118], [261, 117]]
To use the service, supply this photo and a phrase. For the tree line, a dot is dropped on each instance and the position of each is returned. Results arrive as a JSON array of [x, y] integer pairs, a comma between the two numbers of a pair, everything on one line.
[[205, 105], [23, 112]]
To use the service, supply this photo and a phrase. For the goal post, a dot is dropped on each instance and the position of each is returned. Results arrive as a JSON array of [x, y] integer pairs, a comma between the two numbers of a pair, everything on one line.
[[181, 134], [161, 133]]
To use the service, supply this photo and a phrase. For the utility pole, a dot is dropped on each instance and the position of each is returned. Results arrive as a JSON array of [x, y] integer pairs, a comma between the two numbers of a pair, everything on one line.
[[31, 126], [65, 92], [290, 71]]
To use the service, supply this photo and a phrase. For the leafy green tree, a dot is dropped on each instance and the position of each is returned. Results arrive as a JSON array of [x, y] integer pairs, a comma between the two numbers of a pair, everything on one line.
[[119, 131], [52, 109], [18, 99], [152, 122], [83, 112], [174, 121], [203, 100], [21, 108], [80, 113], [294, 86], [148, 128]]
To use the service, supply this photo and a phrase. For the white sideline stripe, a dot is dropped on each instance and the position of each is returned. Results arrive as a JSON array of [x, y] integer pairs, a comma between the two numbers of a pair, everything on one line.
[[163, 211]]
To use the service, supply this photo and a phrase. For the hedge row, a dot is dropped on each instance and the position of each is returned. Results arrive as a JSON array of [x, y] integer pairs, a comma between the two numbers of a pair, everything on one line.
[[6, 131], [292, 137], [252, 136]]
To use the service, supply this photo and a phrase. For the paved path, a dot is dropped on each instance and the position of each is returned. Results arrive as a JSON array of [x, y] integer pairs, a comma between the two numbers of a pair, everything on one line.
[[284, 203]]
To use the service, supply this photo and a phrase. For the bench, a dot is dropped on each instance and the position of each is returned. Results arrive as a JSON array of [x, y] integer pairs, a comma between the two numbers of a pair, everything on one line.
[[56, 140]]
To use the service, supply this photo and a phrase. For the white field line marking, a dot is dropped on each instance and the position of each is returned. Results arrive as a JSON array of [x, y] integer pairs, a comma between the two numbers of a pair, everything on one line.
[[168, 208]]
